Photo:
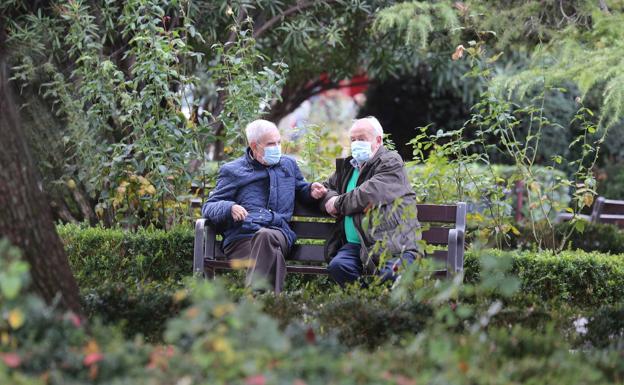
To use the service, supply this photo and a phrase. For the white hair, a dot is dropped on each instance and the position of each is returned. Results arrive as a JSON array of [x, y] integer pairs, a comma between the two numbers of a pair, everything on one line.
[[373, 122], [256, 129]]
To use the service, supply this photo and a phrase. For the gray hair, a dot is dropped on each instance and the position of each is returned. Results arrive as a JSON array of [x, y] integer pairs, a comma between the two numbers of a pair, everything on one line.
[[373, 122], [256, 129]]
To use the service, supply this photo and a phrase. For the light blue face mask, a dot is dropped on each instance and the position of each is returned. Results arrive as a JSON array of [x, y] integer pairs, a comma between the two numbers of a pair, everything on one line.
[[361, 151], [272, 155]]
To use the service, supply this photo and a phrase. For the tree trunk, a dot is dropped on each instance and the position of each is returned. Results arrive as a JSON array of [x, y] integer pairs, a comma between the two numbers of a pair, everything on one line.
[[25, 215]]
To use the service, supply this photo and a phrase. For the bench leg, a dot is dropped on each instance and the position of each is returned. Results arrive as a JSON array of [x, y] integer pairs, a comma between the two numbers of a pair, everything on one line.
[[209, 273]]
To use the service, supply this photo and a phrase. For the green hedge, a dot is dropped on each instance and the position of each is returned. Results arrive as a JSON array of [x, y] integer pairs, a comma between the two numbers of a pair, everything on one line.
[[98, 255], [601, 237], [142, 309], [577, 277]]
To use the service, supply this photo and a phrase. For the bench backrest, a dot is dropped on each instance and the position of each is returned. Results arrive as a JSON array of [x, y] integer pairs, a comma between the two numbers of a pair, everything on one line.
[[312, 226], [609, 211]]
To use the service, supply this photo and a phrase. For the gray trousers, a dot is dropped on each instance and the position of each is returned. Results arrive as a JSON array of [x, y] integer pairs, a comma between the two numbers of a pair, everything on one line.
[[266, 251]]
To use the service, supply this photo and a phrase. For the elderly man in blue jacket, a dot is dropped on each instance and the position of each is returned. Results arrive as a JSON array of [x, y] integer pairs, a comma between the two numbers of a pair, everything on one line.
[[253, 202]]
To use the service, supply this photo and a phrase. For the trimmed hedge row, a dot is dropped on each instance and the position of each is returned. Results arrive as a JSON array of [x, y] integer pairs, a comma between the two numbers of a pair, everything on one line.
[[585, 279], [99, 255], [102, 256], [602, 237]]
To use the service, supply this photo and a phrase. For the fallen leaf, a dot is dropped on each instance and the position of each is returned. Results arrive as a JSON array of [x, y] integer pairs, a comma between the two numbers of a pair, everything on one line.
[[16, 318]]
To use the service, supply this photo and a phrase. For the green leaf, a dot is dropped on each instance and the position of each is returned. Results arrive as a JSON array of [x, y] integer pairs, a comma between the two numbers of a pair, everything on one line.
[[10, 286]]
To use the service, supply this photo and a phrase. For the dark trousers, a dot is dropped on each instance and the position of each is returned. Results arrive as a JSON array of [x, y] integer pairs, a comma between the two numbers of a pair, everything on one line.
[[265, 251], [346, 266]]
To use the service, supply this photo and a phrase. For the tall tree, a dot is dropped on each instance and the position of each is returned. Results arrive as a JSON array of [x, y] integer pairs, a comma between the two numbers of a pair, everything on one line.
[[25, 216]]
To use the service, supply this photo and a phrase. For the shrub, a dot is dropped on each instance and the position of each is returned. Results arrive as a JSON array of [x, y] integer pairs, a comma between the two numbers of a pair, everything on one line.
[[601, 237], [218, 340], [141, 309], [585, 279], [100, 255], [436, 182], [606, 326]]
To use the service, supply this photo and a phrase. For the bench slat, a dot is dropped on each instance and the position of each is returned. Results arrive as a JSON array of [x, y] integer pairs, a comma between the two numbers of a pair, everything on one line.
[[612, 208], [436, 235], [312, 230], [437, 213], [302, 210], [426, 212], [312, 253]]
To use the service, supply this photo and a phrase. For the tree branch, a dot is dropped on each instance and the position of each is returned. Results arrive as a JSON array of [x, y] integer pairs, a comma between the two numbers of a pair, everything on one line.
[[279, 18], [232, 36], [603, 7]]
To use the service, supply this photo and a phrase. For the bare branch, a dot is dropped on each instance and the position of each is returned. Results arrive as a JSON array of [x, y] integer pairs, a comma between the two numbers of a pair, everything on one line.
[[279, 18], [241, 16], [603, 7]]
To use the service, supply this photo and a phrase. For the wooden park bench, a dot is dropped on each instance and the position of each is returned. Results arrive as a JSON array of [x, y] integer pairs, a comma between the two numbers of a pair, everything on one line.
[[610, 211], [603, 211], [443, 226]]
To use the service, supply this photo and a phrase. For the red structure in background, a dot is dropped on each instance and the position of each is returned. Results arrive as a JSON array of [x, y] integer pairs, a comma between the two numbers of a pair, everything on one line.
[[358, 84]]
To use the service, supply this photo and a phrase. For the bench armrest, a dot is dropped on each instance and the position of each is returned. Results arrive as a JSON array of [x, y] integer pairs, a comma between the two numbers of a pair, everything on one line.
[[199, 247], [456, 239]]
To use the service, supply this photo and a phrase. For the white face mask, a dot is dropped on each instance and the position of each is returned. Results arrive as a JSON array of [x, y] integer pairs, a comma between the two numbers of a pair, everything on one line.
[[272, 154], [361, 151]]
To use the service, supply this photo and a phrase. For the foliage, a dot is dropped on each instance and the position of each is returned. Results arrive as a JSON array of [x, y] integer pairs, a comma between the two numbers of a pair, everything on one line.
[[586, 279], [606, 326], [135, 308], [218, 340], [318, 150], [416, 21], [117, 283], [611, 181], [588, 57], [99, 255], [601, 237], [127, 139]]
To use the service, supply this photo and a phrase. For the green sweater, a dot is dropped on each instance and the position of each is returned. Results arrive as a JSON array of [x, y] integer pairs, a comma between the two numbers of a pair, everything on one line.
[[349, 227]]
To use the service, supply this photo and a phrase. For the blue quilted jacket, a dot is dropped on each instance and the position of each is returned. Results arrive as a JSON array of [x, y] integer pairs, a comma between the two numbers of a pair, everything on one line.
[[266, 192]]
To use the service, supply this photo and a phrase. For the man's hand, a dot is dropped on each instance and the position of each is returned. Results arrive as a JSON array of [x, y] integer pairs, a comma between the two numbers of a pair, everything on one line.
[[330, 208], [317, 190], [238, 213]]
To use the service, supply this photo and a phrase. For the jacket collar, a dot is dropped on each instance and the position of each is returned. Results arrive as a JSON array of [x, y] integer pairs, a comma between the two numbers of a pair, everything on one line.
[[251, 160]]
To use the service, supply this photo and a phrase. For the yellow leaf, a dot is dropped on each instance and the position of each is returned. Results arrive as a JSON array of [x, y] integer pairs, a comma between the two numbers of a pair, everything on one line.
[[91, 347], [222, 309], [221, 345], [238, 264], [16, 318], [588, 199], [4, 338], [179, 296], [121, 190], [515, 230]]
